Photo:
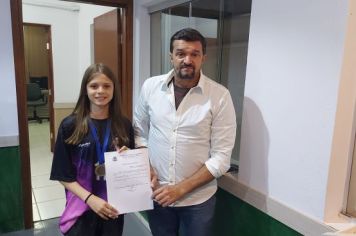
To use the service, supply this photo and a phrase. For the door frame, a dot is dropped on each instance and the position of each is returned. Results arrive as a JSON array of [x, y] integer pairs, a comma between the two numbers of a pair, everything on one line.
[[21, 93]]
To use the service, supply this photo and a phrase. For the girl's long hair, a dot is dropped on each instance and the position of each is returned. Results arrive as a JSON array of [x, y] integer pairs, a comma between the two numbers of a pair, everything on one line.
[[81, 111]]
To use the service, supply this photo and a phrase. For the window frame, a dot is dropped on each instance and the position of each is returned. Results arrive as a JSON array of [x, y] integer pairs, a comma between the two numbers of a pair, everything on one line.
[[344, 131]]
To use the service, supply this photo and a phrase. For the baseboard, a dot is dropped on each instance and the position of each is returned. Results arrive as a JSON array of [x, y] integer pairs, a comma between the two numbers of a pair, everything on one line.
[[284, 214], [9, 141]]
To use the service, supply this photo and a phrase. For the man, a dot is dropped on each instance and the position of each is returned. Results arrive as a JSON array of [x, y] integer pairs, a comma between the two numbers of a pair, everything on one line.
[[188, 123]]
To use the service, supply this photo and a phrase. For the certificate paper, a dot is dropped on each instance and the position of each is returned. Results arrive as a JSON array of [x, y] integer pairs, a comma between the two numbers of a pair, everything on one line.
[[128, 180]]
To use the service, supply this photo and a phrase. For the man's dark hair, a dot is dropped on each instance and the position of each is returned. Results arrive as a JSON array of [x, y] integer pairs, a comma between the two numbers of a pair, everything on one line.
[[189, 35]]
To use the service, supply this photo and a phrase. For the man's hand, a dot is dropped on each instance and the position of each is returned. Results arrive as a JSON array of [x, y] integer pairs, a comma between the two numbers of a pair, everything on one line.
[[168, 194], [154, 180]]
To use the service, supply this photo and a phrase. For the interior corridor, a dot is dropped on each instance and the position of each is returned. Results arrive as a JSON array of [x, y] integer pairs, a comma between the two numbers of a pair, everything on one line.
[[48, 198]]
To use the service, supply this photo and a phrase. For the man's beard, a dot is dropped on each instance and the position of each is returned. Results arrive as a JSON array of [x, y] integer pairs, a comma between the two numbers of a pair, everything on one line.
[[186, 75]]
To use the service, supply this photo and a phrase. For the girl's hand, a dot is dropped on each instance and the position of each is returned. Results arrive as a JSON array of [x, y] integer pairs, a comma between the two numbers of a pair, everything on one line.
[[122, 149], [118, 148], [102, 208]]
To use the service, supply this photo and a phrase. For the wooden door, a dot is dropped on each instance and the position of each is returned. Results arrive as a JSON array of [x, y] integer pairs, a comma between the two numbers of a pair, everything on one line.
[[108, 46], [107, 41]]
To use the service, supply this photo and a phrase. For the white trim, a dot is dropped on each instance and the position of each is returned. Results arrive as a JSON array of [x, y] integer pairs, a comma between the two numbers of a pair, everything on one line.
[[63, 105], [9, 141], [286, 215]]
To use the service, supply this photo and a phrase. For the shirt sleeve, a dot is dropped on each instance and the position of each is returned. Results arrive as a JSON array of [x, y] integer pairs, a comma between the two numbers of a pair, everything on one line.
[[223, 132], [141, 118], [62, 166]]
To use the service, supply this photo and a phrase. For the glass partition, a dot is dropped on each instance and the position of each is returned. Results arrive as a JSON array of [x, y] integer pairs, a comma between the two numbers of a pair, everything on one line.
[[234, 48], [206, 18], [173, 19]]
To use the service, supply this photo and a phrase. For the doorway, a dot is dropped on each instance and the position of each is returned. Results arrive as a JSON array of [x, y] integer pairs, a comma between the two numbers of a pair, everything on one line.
[[39, 88], [39, 76], [126, 63]]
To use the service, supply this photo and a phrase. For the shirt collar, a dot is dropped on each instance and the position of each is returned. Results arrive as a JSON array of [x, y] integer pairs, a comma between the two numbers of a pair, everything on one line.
[[169, 76]]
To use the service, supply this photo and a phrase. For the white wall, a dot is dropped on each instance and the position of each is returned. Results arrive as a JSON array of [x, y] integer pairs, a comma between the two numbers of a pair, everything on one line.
[[141, 47], [65, 43], [70, 42], [8, 102], [293, 70]]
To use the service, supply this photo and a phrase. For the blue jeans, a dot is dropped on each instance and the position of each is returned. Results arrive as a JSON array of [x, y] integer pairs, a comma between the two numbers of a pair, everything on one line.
[[193, 220]]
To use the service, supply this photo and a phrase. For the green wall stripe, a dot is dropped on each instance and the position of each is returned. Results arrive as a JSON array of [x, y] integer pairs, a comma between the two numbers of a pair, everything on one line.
[[234, 217], [11, 209]]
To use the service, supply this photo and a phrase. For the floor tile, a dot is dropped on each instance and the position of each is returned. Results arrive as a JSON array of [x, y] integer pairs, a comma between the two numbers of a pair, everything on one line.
[[49, 193], [51, 209], [39, 181], [40, 150], [36, 215], [40, 168], [38, 225]]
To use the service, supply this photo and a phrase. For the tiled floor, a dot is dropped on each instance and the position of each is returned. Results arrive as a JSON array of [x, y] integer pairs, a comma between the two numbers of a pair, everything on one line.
[[48, 197]]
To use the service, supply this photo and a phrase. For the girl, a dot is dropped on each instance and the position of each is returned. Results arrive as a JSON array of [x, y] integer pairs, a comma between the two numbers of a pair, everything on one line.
[[95, 126]]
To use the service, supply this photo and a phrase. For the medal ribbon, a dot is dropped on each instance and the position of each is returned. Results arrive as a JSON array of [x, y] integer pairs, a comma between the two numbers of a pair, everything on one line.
[[100, 149]]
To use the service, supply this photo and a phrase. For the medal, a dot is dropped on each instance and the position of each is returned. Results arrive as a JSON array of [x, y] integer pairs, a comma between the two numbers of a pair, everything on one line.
[[100, 149], [99, 170]]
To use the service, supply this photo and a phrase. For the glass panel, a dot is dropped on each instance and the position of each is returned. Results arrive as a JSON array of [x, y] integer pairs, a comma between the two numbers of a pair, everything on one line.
[[205, 18], [235, 33], [173, 19], [156, 44]]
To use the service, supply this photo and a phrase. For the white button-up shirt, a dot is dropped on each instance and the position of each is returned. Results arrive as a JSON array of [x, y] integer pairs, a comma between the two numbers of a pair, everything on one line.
[[200, 132]]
